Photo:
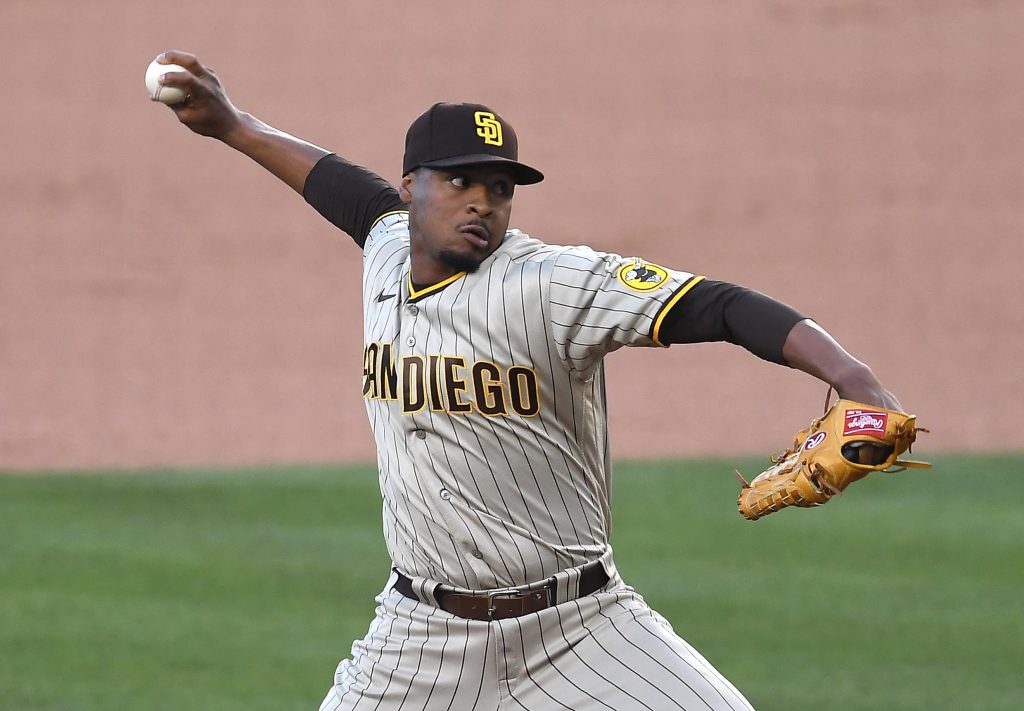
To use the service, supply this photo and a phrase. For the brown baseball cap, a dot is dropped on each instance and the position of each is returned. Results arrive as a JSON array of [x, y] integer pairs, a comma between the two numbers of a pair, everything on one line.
[[451, 135]]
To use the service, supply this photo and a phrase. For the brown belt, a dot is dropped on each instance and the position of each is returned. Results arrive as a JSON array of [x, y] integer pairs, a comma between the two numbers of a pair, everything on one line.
[[503, 604]]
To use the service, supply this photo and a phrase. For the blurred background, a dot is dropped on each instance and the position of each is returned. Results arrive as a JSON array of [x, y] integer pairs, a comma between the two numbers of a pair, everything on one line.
[[163, 301], [167, 306]]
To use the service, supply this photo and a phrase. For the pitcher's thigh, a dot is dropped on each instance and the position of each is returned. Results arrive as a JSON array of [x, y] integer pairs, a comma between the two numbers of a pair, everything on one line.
[[611, 651], [415, 657]]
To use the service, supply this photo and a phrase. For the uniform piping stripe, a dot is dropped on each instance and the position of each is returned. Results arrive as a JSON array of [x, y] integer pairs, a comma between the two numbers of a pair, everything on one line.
[[668, 307], [414, 295], [387, 214]]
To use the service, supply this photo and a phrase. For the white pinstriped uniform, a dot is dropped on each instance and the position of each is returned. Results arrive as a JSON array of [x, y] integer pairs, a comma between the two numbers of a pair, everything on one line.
[[486, 397]]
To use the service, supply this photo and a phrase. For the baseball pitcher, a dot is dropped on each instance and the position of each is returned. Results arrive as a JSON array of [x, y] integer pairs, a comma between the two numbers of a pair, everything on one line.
[[484, 385]]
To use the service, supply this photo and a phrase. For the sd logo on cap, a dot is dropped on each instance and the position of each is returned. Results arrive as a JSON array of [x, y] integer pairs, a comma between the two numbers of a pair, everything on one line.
[[451, 135]]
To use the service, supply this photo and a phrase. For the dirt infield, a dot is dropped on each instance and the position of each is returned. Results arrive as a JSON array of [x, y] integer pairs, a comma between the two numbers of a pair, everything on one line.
[[165, 302]]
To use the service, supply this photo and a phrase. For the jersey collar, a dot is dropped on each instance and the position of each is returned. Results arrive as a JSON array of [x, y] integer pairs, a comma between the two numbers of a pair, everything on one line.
[[415, 295]]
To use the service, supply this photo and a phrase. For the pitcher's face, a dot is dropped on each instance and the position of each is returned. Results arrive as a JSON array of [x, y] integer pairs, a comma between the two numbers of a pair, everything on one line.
[[457, 217]]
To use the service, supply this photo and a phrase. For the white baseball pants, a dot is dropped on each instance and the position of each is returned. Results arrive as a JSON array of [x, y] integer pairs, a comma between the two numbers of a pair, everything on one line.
[[606, 651]]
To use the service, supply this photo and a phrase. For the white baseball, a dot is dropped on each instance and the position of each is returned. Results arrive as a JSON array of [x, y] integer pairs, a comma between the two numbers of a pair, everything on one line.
[[159, 92]]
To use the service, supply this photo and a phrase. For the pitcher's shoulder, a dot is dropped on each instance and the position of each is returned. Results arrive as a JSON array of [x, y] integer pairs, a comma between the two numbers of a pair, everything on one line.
[[520, 246], [390, 231]]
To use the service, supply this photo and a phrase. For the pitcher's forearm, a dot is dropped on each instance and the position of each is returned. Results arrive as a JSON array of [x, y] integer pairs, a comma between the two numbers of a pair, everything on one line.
[[810, 348], [284, 155]]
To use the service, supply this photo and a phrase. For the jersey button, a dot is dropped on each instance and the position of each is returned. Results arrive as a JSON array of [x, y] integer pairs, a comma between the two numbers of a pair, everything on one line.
[[445, 494], [410, 341], [420, 434], [413, 309], [477, 554]]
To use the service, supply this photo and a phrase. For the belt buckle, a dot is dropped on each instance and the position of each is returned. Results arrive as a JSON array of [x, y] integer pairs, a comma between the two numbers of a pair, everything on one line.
[[546, 591]]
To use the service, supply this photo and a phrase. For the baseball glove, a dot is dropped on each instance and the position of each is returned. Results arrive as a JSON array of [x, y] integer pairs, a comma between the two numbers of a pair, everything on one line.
[[847, 443]]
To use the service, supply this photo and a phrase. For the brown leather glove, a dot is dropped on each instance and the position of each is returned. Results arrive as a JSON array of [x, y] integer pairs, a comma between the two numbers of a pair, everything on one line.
[[847, 443]]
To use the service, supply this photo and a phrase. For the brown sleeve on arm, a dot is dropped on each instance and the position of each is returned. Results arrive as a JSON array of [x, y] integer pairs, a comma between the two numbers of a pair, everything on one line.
[[349, 196], [720, 311]]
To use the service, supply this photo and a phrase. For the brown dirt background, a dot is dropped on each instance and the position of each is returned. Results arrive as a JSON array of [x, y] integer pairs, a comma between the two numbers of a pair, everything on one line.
[[165, 302]]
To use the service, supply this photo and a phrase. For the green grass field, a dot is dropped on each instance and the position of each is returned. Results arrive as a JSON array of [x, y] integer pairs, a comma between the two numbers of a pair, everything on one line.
[[242, 590]]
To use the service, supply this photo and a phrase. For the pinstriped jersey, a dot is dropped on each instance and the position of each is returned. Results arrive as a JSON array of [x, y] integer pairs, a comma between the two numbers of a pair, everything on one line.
[[486, 397]]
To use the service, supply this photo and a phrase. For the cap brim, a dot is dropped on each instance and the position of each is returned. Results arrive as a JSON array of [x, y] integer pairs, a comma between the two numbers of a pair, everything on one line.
[[522, 173]]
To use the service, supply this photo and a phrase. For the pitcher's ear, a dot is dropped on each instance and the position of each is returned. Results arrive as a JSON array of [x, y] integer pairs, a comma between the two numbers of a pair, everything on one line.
[[405, 187]]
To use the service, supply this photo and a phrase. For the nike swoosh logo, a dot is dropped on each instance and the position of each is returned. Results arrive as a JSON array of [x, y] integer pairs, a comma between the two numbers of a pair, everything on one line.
[[381, 297]]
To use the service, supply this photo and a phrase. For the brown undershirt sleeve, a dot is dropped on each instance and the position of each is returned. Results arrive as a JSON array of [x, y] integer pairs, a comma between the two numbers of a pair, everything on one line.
[[349, 196], [720, 311]]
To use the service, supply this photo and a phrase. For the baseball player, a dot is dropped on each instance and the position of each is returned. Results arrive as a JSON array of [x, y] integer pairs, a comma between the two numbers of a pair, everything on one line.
[[483, 381]]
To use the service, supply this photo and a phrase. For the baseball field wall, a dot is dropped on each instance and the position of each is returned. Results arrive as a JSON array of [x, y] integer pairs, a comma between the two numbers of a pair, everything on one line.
[[163, 301]]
